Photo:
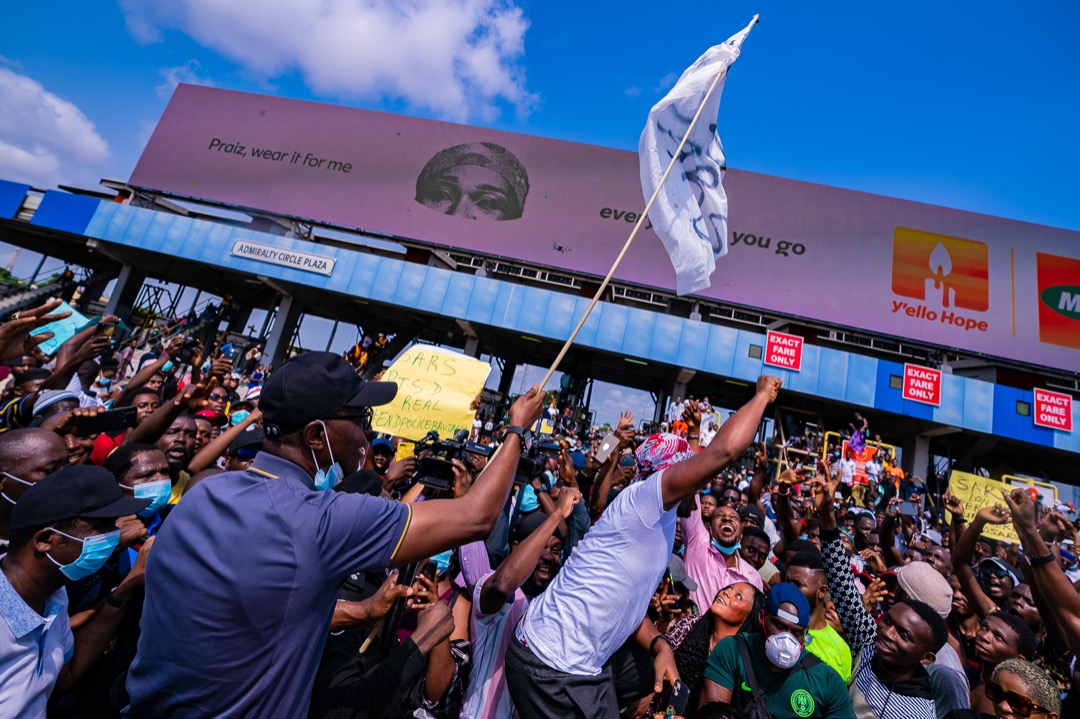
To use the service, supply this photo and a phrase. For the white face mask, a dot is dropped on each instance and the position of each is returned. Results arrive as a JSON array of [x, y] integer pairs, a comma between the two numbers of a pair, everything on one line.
[[14, 479], [783, 649]]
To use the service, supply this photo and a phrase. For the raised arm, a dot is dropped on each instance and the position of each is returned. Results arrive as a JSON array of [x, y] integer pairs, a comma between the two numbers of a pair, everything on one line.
[[193, 398], [965, 552], [519, 566], [860, 629], [686, 478], [887, 537], [781, 502], [1052, 582], [206, 456], [441, 524]]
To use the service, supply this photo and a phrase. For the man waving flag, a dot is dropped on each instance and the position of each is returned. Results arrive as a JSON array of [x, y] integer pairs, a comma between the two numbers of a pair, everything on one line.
[[690, 213]]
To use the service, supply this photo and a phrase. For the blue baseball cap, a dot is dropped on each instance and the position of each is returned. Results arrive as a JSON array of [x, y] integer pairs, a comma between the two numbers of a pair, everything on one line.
[[785, 593], [382, 442]]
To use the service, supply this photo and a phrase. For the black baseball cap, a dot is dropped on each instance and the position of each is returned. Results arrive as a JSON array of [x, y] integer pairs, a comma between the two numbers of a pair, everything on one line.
[[313, 386], [82, 490], [248, 439]]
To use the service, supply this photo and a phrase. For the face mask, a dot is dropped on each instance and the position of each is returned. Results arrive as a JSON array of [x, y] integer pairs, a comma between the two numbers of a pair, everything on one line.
[[239, 416], [105, 381], [442, 561], [16, 479], [783, 650], [327, 478], [726, 551], [96, 551], [157, 492]]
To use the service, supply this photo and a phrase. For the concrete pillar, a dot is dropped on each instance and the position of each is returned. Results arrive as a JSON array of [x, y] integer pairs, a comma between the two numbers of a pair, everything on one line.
[[472, 347], [917, 455], [126, 291], [93, 288], [239, 321], [507, 378], [288, 316]]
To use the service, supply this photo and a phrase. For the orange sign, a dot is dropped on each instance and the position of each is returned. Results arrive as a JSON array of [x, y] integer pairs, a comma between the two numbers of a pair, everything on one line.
[[1059, 300], [944, 272]]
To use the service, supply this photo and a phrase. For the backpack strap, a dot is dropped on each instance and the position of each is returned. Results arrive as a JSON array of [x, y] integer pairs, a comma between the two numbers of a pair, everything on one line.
[[809, 660], [748, 666]]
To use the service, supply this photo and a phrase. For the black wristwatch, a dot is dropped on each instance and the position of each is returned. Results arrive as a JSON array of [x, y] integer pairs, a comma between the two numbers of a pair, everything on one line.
[[652, 644], [113, 601], [514, 429], [1047, 558]]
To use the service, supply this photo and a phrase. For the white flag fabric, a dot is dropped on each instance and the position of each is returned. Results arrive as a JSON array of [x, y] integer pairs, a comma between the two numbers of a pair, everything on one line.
[[690, 214]]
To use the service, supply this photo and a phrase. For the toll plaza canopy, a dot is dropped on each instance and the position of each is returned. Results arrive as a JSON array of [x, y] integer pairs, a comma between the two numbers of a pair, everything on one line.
[[818, 262]]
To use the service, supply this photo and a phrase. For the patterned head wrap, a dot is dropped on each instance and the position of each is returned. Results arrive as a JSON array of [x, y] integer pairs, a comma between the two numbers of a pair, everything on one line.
[[661, 451], [482, 154]]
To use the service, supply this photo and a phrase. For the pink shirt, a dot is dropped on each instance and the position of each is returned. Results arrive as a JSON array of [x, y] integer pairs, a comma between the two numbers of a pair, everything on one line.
[[707, 566]]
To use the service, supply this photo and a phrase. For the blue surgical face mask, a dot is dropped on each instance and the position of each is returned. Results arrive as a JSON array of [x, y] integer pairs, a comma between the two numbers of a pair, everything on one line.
[[442, 561], [157, 492], [16, 479], [96, 550], [726, 551], [239, 416], [105, 381], [327, 478]]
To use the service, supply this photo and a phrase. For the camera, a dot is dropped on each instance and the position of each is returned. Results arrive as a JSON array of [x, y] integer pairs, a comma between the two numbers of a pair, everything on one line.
[[184, 356], [436, 470]]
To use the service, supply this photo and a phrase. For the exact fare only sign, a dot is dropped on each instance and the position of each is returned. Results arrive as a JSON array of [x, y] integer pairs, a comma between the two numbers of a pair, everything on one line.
[[784, 351], [922, 384], [1053, 410]]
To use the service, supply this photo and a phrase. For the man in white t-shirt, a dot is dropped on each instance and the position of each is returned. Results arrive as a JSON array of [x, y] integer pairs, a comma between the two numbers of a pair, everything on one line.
[[555, 667]]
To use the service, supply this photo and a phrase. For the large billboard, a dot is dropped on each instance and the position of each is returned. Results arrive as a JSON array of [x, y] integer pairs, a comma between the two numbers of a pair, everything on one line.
[[950, 278]]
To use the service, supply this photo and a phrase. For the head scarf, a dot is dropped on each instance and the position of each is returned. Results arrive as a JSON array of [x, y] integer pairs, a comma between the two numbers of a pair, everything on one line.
[[482, 154], [661, 451]]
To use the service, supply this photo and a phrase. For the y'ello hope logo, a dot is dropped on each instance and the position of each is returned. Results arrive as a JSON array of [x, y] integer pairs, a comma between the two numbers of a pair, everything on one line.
[[945, 275]]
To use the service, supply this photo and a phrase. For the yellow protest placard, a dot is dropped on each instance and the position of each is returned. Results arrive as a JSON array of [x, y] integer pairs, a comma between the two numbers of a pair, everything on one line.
[[435, 389], [977, 492]]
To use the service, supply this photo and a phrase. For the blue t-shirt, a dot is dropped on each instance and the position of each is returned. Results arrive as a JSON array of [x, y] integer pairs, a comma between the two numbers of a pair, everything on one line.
[[240, 589]]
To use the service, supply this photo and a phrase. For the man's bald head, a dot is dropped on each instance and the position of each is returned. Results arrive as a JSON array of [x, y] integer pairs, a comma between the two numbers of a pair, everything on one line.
[[28, 453]]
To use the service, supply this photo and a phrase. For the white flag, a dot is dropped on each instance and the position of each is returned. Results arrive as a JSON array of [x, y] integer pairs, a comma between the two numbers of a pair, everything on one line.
[[690, 214]]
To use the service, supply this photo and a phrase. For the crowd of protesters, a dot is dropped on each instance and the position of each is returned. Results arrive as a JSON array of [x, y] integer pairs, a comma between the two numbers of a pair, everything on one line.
[[189, 533]]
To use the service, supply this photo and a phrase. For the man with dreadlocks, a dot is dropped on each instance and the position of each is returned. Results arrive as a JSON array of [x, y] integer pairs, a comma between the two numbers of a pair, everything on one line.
[[555, 666], [889, 678]]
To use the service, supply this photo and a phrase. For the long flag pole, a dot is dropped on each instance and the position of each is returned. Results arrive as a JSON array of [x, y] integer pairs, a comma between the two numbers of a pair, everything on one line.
[[633, 233]]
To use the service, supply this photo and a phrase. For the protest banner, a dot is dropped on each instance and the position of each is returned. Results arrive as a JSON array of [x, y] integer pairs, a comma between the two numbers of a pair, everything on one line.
[[862, 458], [435, 390], [977, 492]]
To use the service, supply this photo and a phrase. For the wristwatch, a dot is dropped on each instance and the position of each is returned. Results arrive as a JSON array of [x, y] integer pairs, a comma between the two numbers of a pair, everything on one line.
[[514, 429]]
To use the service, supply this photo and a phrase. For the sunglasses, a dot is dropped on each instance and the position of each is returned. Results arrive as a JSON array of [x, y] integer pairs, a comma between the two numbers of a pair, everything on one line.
[[246, 454], [364, 414], [1019, 703], [996, 571], [219, 397]]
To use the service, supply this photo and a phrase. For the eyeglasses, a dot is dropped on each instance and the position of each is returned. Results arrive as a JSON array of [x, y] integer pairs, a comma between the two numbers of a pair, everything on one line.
[[219, 397], [728, 501], [1019, 703], [364, 414]]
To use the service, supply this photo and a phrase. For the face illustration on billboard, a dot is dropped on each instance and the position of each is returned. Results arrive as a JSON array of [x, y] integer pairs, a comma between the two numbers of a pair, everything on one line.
[[944, 272], [476, 180], [1059, 299]]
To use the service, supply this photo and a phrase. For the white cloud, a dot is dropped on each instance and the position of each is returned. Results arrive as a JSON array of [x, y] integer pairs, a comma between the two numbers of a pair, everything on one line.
[[460, 59], [173, 76], [44, 139]]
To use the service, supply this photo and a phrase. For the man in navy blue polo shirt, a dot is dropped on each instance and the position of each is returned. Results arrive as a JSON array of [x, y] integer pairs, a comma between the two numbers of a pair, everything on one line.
[[242, 582]]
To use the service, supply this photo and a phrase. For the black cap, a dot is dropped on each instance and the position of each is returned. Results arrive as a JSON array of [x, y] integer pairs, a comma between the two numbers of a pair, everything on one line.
[[313, 386], [251, 438], [752, 511], [82, 490]]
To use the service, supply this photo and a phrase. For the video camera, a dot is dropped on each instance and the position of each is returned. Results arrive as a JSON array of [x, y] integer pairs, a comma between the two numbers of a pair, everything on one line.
[[531, 462], [436, 470]]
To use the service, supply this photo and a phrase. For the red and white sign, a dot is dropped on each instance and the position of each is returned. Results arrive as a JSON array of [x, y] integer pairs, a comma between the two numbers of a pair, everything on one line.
[[784, 351], [1053, 410], [922, 384]]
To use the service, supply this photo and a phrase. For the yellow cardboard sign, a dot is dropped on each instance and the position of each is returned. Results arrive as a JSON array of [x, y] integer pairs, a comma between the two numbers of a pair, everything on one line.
[[435, 389], [977, 492]]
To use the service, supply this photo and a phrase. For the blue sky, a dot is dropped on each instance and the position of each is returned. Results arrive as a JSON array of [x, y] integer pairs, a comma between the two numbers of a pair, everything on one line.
[[963, 104]]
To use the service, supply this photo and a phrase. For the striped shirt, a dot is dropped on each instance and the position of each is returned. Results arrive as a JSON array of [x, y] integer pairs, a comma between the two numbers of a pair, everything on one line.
[[487, 696]]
